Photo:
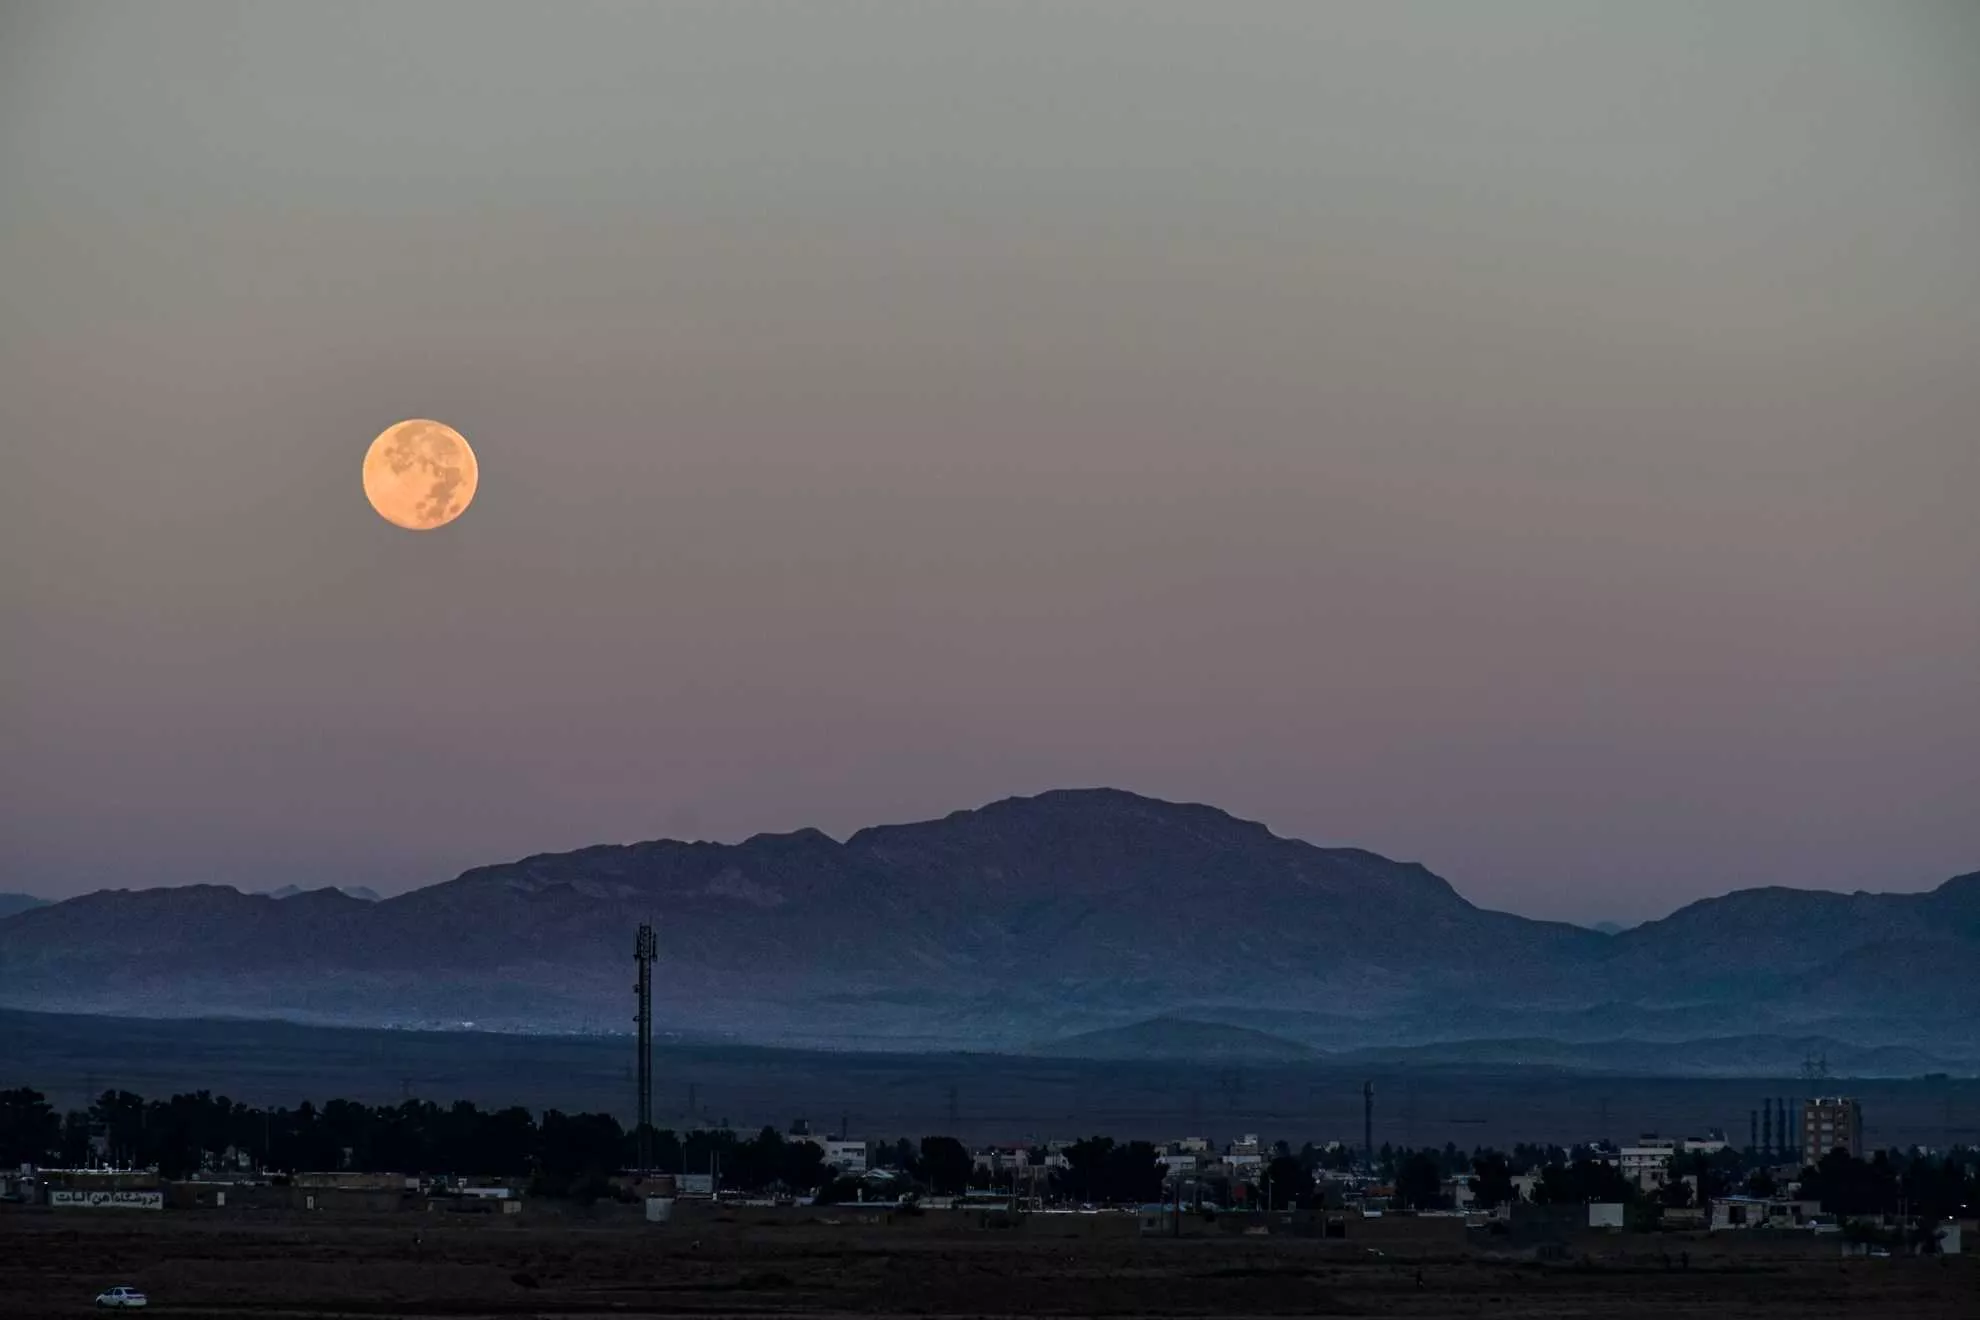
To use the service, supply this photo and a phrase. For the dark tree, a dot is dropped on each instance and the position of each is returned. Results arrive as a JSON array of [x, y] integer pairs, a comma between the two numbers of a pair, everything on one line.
[[120, 1117], [30, 1129], [571, 1146], [1491, 1181], [1846, 1185], [1086, 1167], [1580, 1182], [838, 1191], [1420, 1182], [1287, 1183], [1101, 1170], [1135, 1173], [945, 1164]]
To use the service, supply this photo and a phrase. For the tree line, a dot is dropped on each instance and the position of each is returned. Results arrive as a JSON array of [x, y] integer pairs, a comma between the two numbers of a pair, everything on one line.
[[556, 1153]]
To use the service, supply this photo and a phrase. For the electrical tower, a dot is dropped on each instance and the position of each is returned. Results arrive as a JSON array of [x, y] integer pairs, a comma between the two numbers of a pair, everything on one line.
[[644, 952]]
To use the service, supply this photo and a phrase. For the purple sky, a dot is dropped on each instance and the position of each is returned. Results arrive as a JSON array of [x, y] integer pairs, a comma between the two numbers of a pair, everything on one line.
[[1541, 440]]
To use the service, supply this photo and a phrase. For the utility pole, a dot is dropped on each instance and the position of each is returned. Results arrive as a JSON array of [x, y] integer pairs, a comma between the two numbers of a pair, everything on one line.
[[644, 953]]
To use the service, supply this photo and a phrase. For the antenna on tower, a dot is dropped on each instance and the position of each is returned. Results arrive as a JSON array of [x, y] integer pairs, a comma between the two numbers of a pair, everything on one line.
[[1368, 1123], [645, 951]]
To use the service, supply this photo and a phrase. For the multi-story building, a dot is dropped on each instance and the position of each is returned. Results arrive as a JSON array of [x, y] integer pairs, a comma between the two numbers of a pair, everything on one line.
[[1831, 1123], [846, 1154], [1648, 1162]]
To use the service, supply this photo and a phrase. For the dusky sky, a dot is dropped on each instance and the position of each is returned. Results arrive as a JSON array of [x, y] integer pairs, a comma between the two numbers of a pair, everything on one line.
[[1538, 439]]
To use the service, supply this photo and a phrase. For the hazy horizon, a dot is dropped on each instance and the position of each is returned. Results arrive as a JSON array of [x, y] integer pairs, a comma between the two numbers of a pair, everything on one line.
[[1538, 440]]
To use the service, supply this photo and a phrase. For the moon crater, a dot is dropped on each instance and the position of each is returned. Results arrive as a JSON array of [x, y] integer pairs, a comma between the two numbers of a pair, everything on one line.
[[420, 474]]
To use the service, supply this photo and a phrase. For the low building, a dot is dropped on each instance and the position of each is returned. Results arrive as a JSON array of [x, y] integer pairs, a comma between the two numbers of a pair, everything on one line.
[[1002, 1159], [355, 1182], [1740, 1212]]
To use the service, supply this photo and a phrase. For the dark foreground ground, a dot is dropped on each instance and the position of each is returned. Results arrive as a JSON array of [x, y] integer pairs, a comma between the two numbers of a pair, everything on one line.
[[54, 1262], [978, 1097]]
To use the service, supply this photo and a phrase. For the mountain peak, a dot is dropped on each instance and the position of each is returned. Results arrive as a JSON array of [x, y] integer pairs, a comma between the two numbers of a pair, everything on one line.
[[1084, 809]]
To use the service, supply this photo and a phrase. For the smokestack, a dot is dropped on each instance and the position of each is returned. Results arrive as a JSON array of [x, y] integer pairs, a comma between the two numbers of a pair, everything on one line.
[[1767, 1128], [1753, 1129]]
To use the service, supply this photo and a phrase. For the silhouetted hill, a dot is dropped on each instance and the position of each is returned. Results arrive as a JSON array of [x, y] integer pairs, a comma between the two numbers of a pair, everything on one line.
[[365, 892], [1175, 1038], [1025, 920], [12, 903], [1730, 1056]]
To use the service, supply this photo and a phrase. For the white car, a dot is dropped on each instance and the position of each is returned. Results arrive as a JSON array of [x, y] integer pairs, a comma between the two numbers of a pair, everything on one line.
[[121, 1297]]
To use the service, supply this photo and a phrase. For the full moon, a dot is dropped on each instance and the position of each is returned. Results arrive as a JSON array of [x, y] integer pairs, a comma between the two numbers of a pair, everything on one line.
[[420, 474]]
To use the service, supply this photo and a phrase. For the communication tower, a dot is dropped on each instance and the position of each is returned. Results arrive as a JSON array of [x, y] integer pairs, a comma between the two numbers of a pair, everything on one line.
[[1368, 1123], [645, 950]]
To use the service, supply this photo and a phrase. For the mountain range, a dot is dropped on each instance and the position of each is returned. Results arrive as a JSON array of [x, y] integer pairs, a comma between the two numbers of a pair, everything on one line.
[[1020, 925]]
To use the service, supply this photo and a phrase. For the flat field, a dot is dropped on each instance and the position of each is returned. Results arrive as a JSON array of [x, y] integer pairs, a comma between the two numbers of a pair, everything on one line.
[[978, 1097], [197, 1263]]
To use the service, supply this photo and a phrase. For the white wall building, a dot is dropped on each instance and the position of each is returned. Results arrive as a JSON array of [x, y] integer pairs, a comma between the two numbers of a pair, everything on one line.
[[846, 1154], [1648, 1162]]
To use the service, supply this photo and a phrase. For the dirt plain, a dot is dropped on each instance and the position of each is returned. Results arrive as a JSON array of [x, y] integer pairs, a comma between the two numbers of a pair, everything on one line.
[[573, 1265], [980, 1098]]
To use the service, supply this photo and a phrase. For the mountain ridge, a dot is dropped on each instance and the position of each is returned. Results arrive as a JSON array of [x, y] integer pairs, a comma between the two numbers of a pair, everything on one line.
[[1026, 919]]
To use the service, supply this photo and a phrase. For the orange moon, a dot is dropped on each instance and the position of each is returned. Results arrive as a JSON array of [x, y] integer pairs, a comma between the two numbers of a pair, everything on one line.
[[420, 474]]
